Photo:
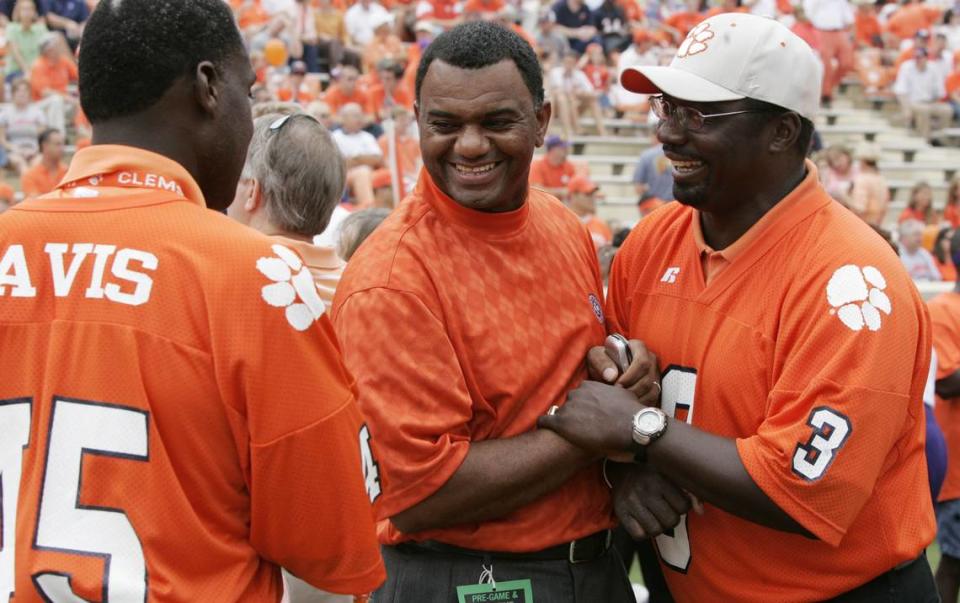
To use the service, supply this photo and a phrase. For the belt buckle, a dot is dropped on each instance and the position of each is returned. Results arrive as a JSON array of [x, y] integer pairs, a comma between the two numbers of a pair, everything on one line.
[[571, 556]]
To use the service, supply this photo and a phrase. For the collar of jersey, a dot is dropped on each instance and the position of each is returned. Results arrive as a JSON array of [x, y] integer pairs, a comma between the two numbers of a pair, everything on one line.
[[103, 159], [785, 207], [490, 223]]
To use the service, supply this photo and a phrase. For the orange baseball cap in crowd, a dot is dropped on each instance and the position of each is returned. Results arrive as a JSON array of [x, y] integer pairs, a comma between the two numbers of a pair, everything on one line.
[[582, 184], [732, 56]]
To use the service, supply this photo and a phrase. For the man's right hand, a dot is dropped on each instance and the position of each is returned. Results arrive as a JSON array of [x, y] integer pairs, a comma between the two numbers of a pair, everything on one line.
[[642, 377], [647, 503]]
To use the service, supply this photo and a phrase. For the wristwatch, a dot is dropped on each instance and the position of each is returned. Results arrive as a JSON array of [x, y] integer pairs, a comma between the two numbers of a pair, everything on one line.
[[648, 425]]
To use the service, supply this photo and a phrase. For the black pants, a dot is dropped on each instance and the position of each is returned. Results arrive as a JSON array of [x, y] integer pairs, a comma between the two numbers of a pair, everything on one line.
[[416, 575], [649, 564], [910, 584]]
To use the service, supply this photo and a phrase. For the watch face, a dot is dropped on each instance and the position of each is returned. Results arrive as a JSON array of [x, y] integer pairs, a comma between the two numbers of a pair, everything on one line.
[[648, 422]]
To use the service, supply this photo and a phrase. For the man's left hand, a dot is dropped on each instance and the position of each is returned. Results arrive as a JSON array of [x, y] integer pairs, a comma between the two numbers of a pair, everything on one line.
[[596, 418]]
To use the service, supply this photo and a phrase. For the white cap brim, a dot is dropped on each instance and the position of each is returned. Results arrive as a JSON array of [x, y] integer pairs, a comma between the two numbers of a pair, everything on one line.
[[676, 83]]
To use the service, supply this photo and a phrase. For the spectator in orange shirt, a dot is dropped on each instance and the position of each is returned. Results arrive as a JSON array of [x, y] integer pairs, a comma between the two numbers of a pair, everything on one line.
[[920, 206], [553, 171], [866, 26], [51, 74], [296, 89], [583, 202], [911, 18], [387, 94], [250, 15], [385, 45], [47, 173], [345, 91]]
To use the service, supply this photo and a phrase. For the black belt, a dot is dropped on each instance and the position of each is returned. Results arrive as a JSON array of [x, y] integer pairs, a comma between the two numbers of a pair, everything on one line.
[[582, 550]]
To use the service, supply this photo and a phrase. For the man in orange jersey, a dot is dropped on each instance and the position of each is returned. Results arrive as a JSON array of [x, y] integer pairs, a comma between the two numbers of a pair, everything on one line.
[[176, 423], [794, 349], [46, 173], [945, 317], [440, 315]]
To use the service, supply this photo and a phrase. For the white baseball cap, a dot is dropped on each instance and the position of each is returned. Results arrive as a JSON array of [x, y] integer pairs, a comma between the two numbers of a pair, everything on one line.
[[733, 56]]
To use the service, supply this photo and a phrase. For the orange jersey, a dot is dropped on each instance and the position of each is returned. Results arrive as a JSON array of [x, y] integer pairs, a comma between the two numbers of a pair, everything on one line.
[[911, 18], [543, 173], [811, 350], [176, 395], [866, 28], [46, 75], [336, 98], [945, 317], [38, 180], [446, 353], [378, 98]]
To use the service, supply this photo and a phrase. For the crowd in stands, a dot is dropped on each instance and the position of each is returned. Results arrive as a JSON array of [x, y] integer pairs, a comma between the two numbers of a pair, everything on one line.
[[351, 64]]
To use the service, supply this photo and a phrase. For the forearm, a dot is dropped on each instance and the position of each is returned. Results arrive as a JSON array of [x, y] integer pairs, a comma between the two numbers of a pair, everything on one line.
[[497, 477], [373, 161], [710, 467]]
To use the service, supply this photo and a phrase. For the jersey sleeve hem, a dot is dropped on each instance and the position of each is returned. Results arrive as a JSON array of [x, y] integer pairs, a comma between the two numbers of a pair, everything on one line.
[[767, 479], [420, 490], [357, 584]]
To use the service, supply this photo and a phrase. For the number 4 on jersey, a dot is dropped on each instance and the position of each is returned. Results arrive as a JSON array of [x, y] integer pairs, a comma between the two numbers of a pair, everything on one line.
[[371, 471]]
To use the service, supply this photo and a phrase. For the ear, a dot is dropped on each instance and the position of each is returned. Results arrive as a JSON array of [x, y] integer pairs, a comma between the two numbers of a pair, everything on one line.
[[207, 86], [255, 199], [543, 121], [787, 130]]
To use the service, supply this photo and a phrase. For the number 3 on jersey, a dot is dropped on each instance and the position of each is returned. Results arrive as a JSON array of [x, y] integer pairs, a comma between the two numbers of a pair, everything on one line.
[[679, 385], [77, 428]]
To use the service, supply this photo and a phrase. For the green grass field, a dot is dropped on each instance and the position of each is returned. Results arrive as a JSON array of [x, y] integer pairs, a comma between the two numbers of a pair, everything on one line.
[[933, 555]]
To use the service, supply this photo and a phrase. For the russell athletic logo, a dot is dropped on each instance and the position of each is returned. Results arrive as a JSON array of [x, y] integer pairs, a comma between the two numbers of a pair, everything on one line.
[[856, 296], [292, 288], [670, 276]]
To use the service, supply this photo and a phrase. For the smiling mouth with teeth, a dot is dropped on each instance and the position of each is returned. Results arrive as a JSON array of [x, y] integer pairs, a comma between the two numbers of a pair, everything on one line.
[[686, 166], [463, 169]]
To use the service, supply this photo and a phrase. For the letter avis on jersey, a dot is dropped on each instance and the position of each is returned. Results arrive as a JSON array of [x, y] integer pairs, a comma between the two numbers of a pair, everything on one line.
[[126, 281]]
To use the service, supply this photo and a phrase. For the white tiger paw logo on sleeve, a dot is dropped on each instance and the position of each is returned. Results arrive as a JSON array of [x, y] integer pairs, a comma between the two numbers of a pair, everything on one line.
[[856, 296], [696, 41], [292, 289]]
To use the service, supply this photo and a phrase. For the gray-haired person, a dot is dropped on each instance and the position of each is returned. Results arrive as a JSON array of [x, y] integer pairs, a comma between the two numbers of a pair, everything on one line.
[[292, 181]]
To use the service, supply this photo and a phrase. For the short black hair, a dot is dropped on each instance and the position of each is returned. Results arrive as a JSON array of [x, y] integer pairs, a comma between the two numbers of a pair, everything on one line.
[[45, 136], [479, 44], [133, 51]]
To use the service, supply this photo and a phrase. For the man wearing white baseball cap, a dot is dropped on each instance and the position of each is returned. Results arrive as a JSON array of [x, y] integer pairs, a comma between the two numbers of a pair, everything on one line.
[[792, 349]]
